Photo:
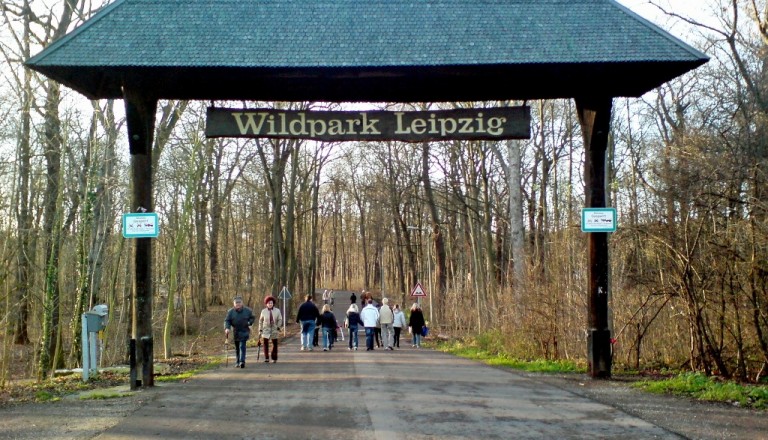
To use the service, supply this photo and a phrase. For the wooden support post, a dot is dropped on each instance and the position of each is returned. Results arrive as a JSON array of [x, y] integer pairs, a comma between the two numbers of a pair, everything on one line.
[[140, 118], [595, 119]]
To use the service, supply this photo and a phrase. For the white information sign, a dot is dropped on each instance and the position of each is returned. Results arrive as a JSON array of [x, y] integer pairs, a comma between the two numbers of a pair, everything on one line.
[[598, 220], [141, 225]]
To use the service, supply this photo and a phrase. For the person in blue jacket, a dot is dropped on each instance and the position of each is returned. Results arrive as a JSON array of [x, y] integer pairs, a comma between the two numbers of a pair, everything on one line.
[[239, 319]]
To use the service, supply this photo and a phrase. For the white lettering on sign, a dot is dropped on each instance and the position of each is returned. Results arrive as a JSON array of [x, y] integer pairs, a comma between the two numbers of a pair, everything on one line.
[[416, 126], [269, 124], [446, 126]]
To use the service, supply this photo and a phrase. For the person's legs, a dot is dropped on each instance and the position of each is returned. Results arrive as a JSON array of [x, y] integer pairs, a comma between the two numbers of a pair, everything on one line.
[[274, 350], [305, 335], [386, 334], [377, 336], [311, 334], [353, 334], [237, 354], [240, 353], [369, 331], [397, 336], [265, 342], [326, 338]]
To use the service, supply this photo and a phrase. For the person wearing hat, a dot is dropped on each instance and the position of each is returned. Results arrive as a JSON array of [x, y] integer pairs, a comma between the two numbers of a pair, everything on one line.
[[270, 324], [239, 319]]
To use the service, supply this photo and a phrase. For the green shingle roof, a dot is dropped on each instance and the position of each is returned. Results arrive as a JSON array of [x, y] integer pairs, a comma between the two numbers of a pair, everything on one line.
[[412, 48]]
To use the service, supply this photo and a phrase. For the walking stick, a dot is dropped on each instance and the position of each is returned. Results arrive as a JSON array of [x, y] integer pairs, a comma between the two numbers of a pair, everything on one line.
[[258, 349], [226, 352]]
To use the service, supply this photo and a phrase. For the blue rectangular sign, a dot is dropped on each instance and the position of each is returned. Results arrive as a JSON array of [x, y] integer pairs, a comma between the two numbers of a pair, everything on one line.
[[141, 225], [598, 220]]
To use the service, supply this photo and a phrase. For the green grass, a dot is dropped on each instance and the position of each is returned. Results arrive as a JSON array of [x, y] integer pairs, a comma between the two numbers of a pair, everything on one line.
[[489, 348], [46, 396], [699, 386], [478, 349], [214, 362]]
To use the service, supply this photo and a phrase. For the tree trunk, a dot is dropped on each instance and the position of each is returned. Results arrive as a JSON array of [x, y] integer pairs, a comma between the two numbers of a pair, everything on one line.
[[50, 349], [516, 223], [196, 170], [441, 285], [24, 250]]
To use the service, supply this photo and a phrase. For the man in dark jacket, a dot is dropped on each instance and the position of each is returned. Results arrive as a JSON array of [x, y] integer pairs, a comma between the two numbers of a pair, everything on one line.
[[307, 316], [239, 319]]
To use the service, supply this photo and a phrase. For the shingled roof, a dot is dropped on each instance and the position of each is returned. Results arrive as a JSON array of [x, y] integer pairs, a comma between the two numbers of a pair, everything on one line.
[[357, 50]]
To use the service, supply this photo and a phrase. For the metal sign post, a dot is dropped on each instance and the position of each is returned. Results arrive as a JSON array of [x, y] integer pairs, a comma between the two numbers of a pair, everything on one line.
[[284, 295]]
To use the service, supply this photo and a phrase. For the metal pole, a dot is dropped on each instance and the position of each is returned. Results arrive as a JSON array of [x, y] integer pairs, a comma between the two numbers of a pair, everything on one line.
[[92, 349], [84, 343], [429, 270], [135, 383], [381, 267]]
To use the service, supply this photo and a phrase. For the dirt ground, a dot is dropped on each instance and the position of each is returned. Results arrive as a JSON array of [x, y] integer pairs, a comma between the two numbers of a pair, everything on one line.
[[72, 417]]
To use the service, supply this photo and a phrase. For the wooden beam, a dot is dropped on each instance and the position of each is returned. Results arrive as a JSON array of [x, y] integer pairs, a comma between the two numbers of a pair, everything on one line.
[[140, 118], [595, 119]]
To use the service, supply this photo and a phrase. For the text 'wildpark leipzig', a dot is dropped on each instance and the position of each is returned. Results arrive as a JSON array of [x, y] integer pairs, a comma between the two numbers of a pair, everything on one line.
[[418, 126]]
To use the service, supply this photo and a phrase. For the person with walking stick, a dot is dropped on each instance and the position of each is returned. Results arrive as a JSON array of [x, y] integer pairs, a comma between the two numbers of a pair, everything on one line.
[[239, 319]]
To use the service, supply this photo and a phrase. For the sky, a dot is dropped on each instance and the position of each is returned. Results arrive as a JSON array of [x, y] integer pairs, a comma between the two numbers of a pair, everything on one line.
[[698, 9]]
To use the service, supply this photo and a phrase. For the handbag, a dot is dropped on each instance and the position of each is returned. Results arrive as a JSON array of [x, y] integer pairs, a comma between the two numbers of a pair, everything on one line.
[[424, 331]]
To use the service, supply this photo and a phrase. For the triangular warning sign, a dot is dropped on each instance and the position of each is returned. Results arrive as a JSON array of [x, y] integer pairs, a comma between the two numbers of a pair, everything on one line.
[[418, 290]]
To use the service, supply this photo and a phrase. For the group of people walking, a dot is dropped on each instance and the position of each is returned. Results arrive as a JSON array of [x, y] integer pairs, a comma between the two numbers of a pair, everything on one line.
[[383, 324]]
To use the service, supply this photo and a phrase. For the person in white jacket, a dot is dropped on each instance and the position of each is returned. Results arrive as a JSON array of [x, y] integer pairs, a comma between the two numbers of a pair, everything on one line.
[[270, 324], [398, 324], [370, 316]]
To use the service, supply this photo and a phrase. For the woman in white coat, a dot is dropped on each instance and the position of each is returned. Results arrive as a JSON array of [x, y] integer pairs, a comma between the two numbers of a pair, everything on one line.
[[270, 324]]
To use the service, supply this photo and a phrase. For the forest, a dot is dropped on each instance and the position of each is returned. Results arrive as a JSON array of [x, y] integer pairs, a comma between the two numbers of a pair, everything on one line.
[[490, 229]]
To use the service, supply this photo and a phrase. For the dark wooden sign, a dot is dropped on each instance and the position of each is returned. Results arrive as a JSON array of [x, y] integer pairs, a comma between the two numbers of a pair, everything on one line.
[[416, 126]]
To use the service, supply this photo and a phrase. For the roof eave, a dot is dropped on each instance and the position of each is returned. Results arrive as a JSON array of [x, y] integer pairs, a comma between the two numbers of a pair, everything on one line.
[[374, 84]]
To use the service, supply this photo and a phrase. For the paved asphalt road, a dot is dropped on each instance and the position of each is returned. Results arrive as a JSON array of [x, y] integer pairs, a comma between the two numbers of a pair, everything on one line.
[[405, 394]]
